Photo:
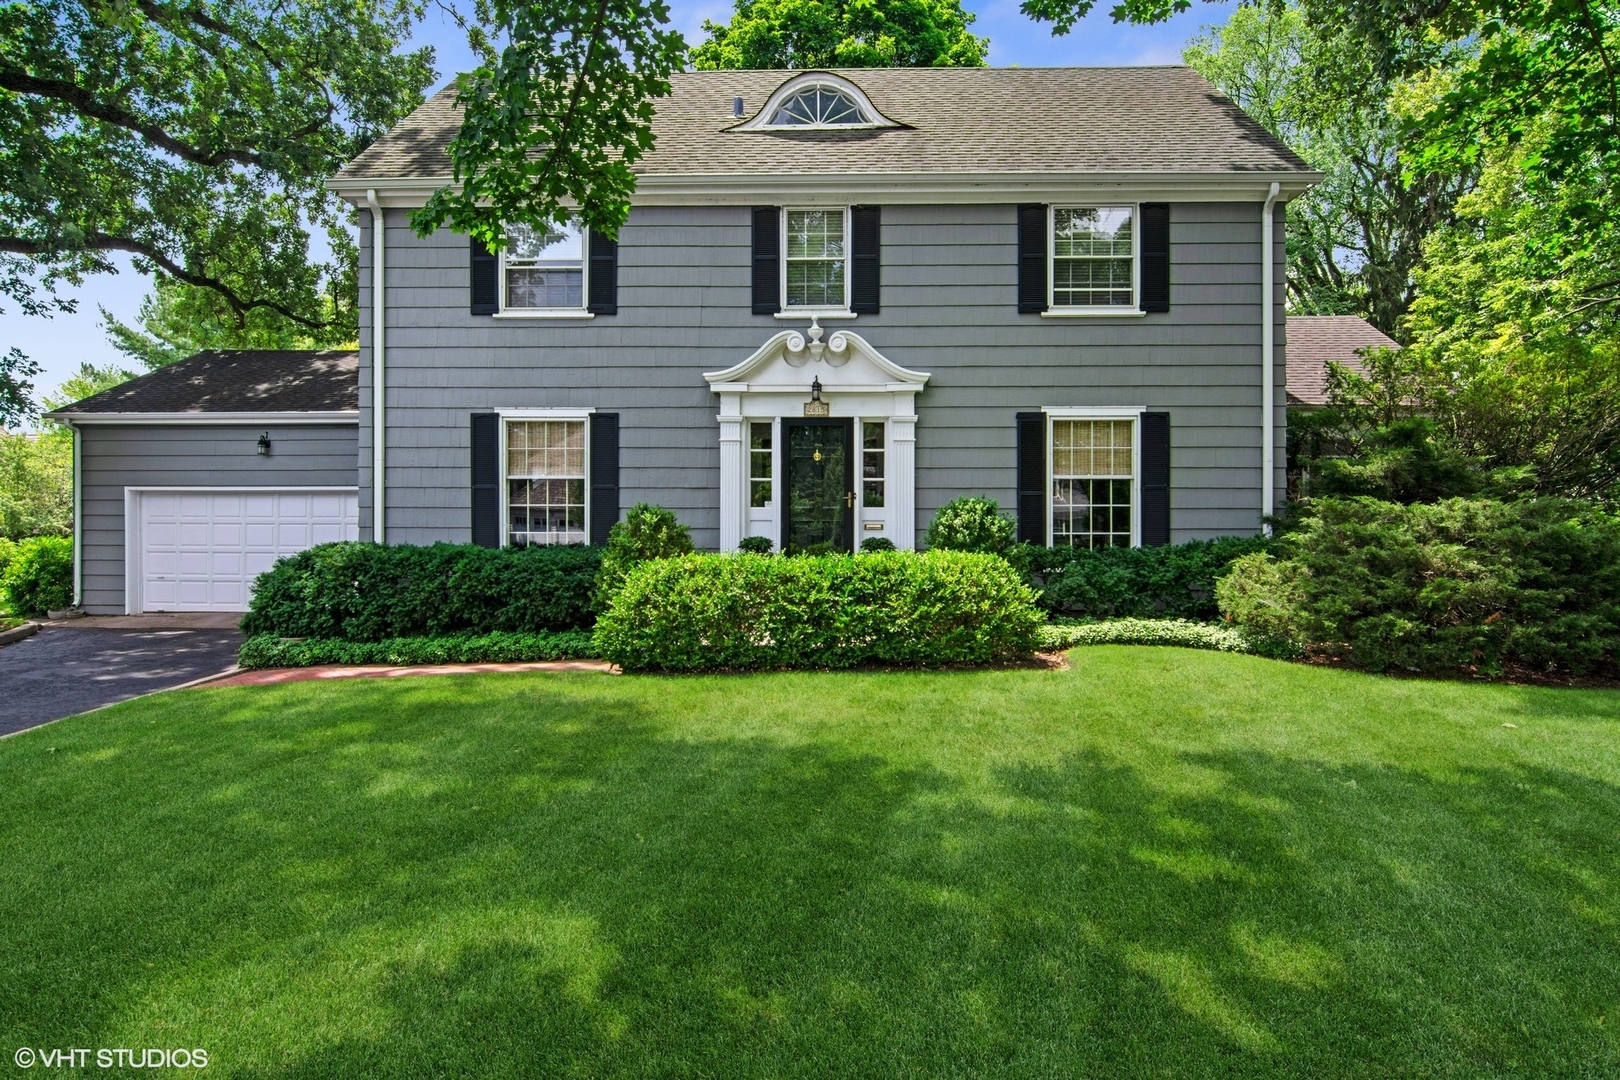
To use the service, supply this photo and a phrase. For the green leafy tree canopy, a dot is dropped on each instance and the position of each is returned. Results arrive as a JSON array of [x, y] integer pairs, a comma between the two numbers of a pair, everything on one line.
[[554, 121], [195, 135], [842, 33]]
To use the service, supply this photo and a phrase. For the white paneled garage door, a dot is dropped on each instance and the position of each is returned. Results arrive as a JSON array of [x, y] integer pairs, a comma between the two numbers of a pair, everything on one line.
[[201, 550]]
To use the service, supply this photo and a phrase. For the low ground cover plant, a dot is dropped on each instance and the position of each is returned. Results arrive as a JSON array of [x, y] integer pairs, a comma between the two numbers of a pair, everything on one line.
[[1464, 583], [270, 651], [371, 593], [711, 612], [1182, 633], [36, 575]]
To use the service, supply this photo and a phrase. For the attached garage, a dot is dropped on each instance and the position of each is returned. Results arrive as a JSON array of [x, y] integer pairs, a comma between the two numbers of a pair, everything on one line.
[[191, 481], [200, 550]]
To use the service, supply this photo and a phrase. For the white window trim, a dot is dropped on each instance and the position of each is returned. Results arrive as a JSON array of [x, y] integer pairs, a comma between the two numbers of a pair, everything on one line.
[[1075, 311], [579, 312], [541, 414], [1133, 413], [788, 312]]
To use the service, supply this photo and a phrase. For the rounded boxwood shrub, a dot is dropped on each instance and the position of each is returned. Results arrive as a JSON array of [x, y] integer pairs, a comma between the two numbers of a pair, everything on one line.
[[370, 592], [708, 612], [39, 575], [877, 543], [647, 532], [971, 523], [756, 545]]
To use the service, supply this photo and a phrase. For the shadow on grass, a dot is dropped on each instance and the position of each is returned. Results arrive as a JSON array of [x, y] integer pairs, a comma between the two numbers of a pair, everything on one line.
[[560, 882]]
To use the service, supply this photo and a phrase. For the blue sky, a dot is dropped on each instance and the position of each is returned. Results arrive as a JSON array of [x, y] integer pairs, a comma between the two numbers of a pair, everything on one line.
[[60, 344]]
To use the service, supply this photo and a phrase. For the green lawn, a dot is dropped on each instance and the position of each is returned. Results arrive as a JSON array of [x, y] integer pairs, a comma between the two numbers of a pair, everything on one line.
[[1155, 863]]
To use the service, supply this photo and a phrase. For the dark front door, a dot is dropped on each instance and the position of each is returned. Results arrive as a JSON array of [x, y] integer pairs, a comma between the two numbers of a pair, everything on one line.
[[820, 486]]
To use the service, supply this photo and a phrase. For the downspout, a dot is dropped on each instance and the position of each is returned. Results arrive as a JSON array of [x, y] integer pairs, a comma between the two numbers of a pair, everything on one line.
[[1268, 360], [378, 406], [78, 519]]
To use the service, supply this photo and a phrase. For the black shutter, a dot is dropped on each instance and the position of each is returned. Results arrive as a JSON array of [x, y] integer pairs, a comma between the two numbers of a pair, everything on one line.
[[866, 264], [767, 254], [1032, 477], [1031, 258], [604, 298], [604, 474], [1155, 257], [486, 284], [486, 479], [1155, 479]]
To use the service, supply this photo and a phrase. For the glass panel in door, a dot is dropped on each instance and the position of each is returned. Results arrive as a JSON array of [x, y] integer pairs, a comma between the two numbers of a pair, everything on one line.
[[820, 486]]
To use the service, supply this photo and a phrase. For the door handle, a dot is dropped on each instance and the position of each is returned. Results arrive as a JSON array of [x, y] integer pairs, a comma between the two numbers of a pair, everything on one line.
[[849, 500]]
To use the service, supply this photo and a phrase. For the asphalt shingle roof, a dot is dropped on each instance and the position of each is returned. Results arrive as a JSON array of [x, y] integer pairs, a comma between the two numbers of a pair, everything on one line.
[[1043, 120], [237, 381], [1313, 340]]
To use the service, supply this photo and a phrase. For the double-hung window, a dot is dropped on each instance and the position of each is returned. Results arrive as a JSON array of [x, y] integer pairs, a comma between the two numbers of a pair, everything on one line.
[[1093, 257], [545, 482], [543, 269], [815, 267], [1093, 482]]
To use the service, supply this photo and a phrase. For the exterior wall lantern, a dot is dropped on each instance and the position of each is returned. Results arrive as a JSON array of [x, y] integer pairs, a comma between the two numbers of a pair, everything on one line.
[[264, 444]]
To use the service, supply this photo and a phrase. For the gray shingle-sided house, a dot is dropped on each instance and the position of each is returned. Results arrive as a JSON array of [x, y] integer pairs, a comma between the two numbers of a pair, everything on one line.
[[841, 299]]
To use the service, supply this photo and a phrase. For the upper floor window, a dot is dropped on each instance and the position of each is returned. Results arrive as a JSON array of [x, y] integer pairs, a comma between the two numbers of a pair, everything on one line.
[[815, 270], [818, 106], [543, 269], [1093, 256]]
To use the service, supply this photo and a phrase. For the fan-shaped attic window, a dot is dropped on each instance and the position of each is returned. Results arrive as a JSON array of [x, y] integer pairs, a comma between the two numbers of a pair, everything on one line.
[[816, 100], [818, 106]]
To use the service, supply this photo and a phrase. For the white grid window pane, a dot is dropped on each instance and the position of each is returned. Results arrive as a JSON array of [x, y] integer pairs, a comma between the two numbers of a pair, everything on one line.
[[1093, 256], [872, 467], [815, 258], [1091, 483], [759, 464], [545, 481]]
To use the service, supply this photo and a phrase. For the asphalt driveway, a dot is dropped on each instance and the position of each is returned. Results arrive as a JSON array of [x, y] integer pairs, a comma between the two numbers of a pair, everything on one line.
[[63, 670]]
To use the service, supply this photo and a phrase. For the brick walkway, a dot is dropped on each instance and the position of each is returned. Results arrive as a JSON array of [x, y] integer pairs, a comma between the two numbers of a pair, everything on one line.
[[272, 676]]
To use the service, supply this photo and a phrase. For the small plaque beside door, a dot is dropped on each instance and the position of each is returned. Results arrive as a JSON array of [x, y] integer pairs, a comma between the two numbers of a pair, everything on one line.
[[818, 408]]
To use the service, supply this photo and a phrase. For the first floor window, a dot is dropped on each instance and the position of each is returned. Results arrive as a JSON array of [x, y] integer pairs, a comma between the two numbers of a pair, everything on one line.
[[1092, 472], [872, 463], [544, 268], [1093, 256], [759, 463], [813, 259], [545, 482]]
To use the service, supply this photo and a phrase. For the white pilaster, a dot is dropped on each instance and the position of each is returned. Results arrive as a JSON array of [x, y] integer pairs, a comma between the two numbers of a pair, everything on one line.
[[732, 479], [902, 483]]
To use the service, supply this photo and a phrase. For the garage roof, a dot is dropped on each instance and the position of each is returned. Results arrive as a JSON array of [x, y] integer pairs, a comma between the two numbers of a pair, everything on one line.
[[239, 382], [1315, 340]]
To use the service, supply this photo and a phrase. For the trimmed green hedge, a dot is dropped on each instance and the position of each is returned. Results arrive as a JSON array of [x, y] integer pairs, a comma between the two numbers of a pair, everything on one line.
[[1460, 584], [270, 651], [367, 592], [1174, 581], [711, 612], [1178, 632]]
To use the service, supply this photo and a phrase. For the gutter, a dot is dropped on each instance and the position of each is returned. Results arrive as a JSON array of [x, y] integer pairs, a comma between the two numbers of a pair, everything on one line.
[[202, 419], [378, 404], [78, 518], [1268, 359]]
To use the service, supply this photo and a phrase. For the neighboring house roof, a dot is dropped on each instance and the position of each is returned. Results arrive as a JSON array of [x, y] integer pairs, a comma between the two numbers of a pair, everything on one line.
[[1135, 120], [1314, 340], [234, 381]]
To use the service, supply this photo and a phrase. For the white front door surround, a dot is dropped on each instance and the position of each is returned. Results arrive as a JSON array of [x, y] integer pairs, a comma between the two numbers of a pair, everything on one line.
[[856, 381]]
